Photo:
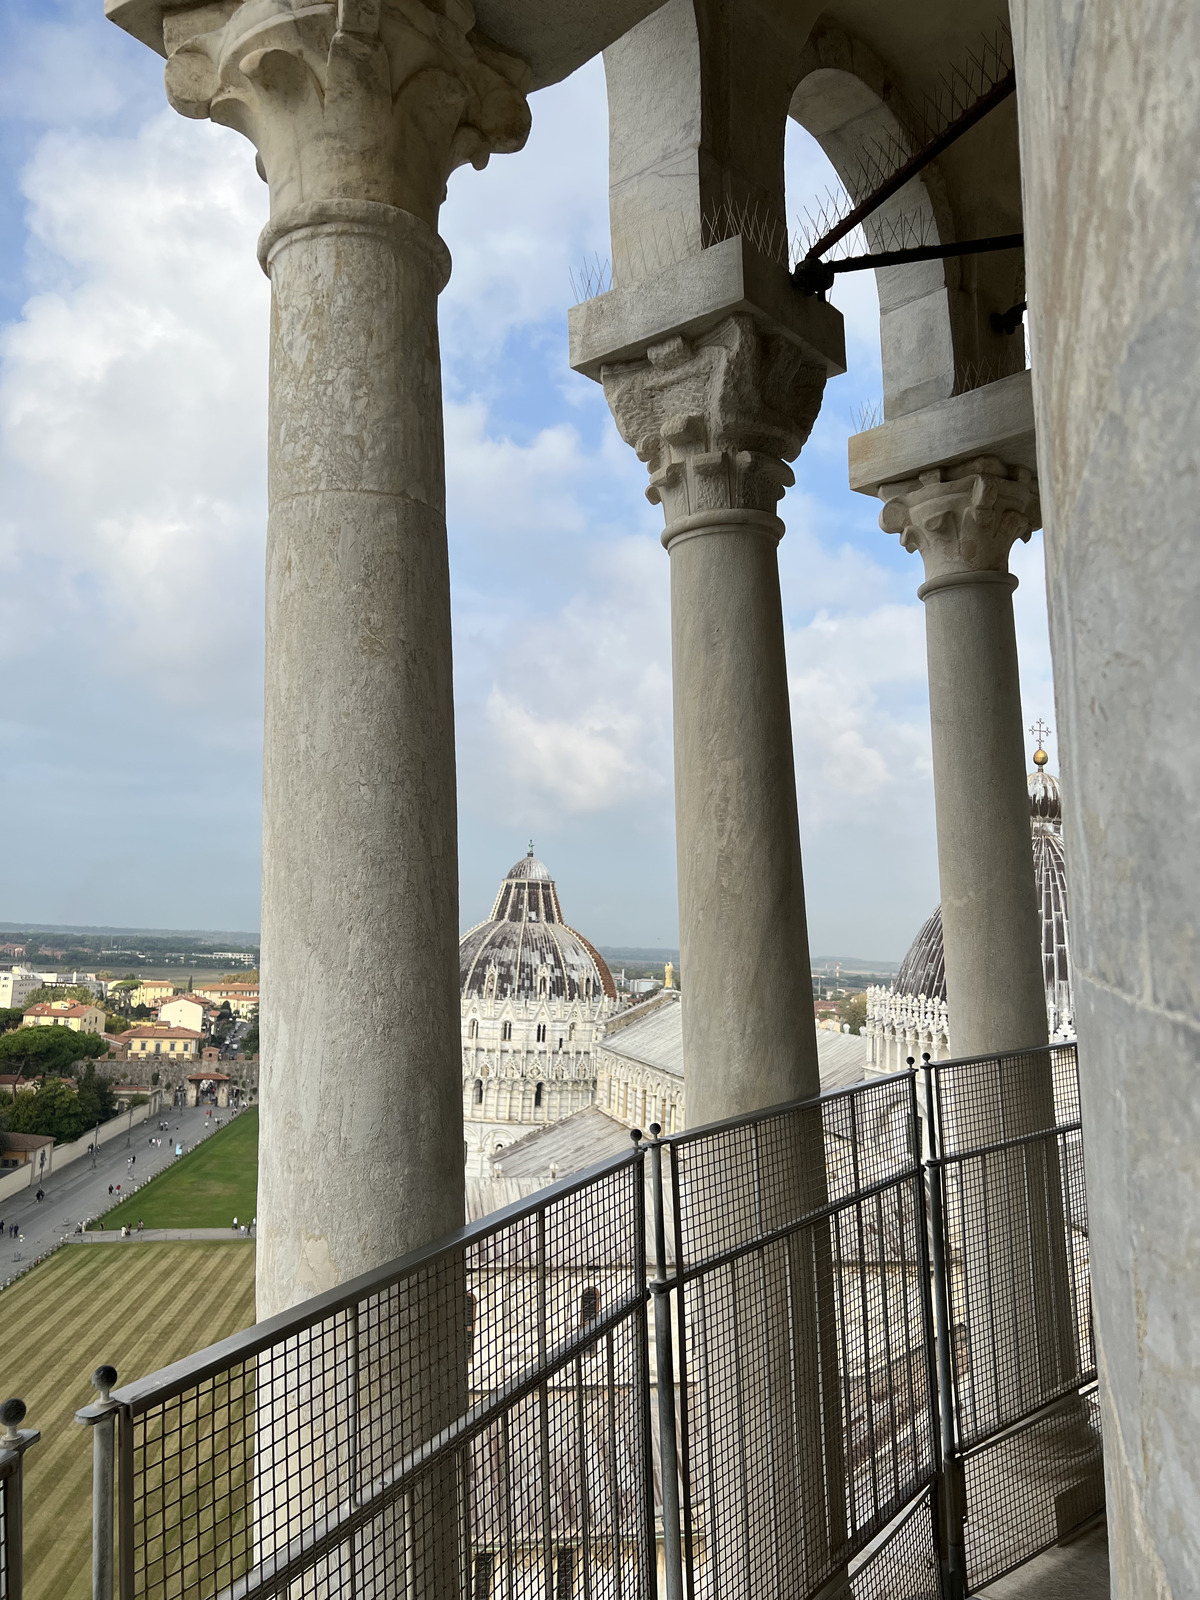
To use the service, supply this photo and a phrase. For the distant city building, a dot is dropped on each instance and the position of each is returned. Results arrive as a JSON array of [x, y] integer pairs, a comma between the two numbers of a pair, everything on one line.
[[187, 1011], [151, 993], [12, 949], [16, 987], [158, 1041], [535, 998], [247, 957], [242, 997], [912, 1017], [74, 1014]]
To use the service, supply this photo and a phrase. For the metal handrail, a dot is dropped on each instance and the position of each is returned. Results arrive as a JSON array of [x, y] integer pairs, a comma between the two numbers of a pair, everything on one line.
[[135, 1397]]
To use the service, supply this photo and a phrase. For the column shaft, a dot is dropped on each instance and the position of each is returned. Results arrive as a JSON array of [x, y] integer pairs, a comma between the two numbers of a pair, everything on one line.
[[361, 1148], [748, 1021], [994, 979]]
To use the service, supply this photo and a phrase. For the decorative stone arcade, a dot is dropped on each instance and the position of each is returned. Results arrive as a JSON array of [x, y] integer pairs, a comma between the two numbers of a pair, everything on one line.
[[359, 112]]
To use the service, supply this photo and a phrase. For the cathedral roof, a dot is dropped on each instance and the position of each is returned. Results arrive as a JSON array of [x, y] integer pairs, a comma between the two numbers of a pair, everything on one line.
[[923, 970], [525, 950]]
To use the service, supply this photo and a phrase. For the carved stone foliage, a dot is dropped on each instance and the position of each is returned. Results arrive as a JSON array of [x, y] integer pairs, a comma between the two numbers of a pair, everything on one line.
[[716, 419], [963, 519], [373, 100]]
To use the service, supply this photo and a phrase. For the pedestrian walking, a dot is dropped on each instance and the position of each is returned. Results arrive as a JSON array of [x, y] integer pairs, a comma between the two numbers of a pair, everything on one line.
[[235, 1224], [40, 1196], [141, 1226], [110, 1188]]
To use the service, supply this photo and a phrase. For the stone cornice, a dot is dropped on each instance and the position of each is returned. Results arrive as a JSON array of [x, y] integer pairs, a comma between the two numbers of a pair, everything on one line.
[[717, 419], [349, 99], [964, 520]]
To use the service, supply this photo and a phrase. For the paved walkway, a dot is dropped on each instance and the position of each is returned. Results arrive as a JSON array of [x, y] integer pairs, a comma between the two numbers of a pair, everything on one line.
[[162, 1235], [79, 1191]]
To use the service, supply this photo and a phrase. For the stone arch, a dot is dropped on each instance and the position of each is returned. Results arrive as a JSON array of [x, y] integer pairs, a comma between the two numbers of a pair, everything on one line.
[[935, 334]]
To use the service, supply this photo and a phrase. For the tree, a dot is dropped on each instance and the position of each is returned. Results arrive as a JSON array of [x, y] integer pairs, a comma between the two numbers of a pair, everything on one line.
[[10, 1017], [68, 991], [53, 1049], [114, 1022], [250, 1038], [52, 1108], [855, 1012], [96, 1099]]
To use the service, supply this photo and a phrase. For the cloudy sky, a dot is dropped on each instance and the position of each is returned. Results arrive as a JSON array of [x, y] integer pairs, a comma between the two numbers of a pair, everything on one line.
[[133, 328]]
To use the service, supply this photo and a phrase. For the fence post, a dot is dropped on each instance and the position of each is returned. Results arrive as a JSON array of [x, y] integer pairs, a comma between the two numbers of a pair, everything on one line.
[[951, 1497], [14, 1442], [665, 1372], [101, 1417]]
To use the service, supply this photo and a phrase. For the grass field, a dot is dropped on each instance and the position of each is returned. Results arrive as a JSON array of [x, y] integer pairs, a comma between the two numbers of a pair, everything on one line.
[[136, 1306], [207, 1188]]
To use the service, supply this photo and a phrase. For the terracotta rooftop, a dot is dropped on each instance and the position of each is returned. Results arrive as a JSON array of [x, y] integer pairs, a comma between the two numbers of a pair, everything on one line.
[[56, 1008]]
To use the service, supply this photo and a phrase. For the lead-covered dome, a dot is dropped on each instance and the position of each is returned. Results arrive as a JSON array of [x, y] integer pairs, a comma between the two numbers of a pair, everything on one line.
[[923, 970], [525, 951]]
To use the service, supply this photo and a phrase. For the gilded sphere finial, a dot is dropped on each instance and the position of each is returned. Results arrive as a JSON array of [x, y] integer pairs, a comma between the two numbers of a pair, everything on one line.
[[1040, 758]]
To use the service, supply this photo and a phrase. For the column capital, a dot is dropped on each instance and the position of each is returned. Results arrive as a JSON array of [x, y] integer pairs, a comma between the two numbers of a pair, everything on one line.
[[348, 100], [963, 519], [716, 418]]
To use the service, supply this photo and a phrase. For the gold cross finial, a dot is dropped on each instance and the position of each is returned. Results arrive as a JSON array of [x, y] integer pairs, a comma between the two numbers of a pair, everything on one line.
[[1039, 730]]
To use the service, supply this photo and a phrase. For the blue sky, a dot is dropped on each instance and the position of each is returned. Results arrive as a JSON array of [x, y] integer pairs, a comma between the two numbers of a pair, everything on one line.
[[133, 326]]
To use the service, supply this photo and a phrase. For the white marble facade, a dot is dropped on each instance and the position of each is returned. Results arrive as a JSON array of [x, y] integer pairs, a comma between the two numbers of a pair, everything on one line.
[[535, 998]]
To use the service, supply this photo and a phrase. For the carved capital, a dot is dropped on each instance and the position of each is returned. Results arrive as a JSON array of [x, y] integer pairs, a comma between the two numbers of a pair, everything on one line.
[[716, 419], [963, 519], [375, 100]]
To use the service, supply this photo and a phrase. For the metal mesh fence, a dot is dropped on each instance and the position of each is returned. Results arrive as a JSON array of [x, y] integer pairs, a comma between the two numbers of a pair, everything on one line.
[[1029, 1488], [1018, 1267], [473, 1421], [1008, 1157], [479, 1420], [806, 1395], [5, 1470], [904, 1564]]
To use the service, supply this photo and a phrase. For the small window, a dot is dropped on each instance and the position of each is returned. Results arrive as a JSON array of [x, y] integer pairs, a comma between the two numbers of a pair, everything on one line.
[[541, 1033], [571, 1031], [473, 1030], [589, 1305], [478, 1091], [506, 1030], [537, 1094]]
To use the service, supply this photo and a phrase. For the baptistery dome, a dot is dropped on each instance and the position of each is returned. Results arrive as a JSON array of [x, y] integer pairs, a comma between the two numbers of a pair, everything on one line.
[[525, 951], [535, 999], [912, 1016]]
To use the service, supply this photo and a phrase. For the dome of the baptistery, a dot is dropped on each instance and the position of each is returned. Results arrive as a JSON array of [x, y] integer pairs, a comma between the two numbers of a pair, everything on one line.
[[923, 970], [525, 950]]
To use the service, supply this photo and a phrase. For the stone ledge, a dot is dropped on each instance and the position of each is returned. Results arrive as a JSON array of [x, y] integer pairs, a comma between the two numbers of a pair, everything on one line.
[[995, 420], [693, 295]]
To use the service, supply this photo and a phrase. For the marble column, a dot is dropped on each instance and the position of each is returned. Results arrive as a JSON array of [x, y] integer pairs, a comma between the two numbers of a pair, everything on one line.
[[358, 112], [716, 419], [964, 520]]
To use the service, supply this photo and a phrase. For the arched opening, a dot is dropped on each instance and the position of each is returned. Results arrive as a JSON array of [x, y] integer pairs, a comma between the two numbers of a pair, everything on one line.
[[506, 1030], [473, 1028], [537, 1094], [478, 1091]]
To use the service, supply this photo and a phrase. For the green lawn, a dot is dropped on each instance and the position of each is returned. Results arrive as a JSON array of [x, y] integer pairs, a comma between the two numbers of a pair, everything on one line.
[[138, 1306], [207, 1188]]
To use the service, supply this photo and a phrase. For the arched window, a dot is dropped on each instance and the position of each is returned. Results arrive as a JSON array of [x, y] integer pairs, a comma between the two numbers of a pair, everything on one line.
[[571, 1031], [589, 1305], [473, 1030], [506, 1030], [537, 1094], [478, 1091], [541, 1033], [543, 985]]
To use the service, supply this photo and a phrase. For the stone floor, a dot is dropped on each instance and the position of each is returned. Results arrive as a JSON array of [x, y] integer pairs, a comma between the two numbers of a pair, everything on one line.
[[1075, 1571]]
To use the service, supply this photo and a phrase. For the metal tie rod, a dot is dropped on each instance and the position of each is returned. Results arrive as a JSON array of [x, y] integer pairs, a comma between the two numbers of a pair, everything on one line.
[[816, 277]]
